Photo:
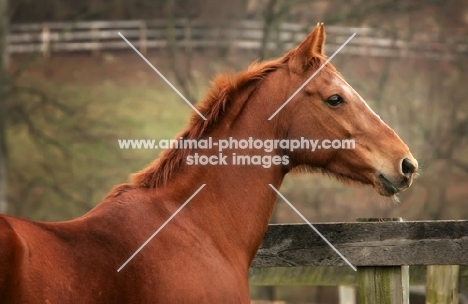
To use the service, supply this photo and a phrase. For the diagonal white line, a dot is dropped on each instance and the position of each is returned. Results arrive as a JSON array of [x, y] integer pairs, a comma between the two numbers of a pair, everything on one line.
[[162, 76], [313, 75], [160, 228], [312, 226]]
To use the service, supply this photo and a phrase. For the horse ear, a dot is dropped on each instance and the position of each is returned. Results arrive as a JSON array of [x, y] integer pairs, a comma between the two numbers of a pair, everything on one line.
[[320, 42], [312, 46]]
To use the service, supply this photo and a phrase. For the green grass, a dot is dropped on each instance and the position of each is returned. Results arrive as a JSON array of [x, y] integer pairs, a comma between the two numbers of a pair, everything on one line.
[[86, 166]]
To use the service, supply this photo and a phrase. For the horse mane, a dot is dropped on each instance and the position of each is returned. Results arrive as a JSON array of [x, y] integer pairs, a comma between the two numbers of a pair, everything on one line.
[[225, 89]]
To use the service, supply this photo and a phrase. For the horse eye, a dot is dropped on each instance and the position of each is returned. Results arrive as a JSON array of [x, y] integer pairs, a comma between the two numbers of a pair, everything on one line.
[[335, 100]]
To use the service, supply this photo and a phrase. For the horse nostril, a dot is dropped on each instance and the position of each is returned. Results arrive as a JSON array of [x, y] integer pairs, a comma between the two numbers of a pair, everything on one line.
[[407, 167]]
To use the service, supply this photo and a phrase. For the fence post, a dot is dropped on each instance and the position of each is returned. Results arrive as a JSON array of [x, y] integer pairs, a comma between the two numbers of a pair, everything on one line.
[[347, 294], [95, 40], [383, 284], [442, 284], [143, 37], [45, 41]]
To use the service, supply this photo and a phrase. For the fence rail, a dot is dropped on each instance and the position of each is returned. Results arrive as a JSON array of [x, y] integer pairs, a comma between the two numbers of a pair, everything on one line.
[[245, 35], [390, 256]]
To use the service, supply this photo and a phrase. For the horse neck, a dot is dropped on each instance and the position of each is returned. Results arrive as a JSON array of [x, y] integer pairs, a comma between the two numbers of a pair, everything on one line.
[[237, 201]]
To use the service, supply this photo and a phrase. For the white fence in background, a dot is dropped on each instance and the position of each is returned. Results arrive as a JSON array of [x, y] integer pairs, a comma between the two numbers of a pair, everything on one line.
[[95, 36]]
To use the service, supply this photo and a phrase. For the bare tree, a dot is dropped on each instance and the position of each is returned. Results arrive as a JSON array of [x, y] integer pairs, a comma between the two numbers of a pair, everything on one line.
[[46, 119], [3, 83], [183, 75]]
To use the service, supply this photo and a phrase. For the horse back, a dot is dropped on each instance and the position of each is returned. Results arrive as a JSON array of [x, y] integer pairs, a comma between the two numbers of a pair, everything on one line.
[[11, 249], [58, 263]]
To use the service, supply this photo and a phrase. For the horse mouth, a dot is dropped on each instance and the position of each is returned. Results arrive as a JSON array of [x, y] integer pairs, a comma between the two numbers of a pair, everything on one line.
[[387, 188]]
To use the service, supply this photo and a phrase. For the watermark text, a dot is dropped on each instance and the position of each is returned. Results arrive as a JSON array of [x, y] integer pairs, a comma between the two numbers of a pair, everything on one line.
[[267, 145]]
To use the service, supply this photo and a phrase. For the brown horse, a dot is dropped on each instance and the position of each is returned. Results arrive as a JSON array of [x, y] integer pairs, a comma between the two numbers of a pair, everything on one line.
[[203, 254]]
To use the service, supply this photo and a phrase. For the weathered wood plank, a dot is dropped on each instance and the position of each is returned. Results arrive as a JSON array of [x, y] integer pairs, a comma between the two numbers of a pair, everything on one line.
[[306, 276], [383, 285], [331, 276], [442, 284], [366, 244]]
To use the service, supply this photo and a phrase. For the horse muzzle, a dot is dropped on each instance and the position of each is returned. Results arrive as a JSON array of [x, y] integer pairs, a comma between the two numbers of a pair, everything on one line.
[[389, 185]]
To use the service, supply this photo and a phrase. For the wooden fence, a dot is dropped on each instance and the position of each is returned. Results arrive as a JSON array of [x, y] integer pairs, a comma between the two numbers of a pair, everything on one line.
[[95, 36], [392, 258]]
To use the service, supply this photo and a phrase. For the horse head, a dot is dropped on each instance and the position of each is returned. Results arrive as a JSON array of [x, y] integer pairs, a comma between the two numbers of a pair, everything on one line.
[[352, 142]]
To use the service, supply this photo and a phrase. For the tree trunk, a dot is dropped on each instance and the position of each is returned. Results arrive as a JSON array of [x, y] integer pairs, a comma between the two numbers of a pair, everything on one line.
[[268, 19], [3, 83]]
